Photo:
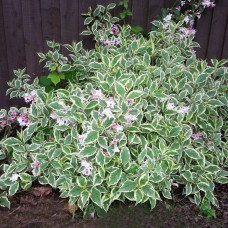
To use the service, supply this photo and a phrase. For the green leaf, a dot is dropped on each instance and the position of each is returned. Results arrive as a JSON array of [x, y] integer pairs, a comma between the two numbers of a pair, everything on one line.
[[175, 131], [148, 190], [75, 191], [135, 94], [65, 67], [119, 88], [13, 188], [25, 177], [84, 197], [44, 80], [77, 101], [128, 186], [95, 66], [215, 103], [114, 177], [12, 142], [96, 196], [111, 6], [136, 29], [88, 151], [54, 77], [201, 78], [192, 153], [29, 131], [125, 156], [4, 202], [91, 137], [88, 20], [100, 159], [222, 180], [34, 146]]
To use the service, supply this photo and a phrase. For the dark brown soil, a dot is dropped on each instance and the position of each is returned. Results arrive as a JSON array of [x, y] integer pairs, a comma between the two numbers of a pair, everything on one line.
[[30, 211]]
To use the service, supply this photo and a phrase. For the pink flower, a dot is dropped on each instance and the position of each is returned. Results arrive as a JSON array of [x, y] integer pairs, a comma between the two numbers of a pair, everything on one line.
[[81, 138], [207, 3], [14, 177], [196, 136], [110, 102], [168, 17], [97, 94], [2, 116], [30, 97], [35, 164], [23, 120], [182, 3], [87, 169], [108, 113], [171, 106], [183, 110], [178, 8], [115, 141], [3, 123], [130, 102], [117, 127], [114, 30], [130, 118]]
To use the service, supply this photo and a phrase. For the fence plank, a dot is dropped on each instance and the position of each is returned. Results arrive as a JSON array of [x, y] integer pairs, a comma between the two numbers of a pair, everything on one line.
[[217, 34], [203, 28], [4, 71], [50, 14], [32, 35], [69, 21], [225, 47], [140, 13]]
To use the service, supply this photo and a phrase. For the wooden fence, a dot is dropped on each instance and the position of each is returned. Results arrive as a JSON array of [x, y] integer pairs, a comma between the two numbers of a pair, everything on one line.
[[25, 25]]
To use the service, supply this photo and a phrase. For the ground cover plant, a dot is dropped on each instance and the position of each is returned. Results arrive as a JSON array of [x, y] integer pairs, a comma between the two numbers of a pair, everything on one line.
[[138, 117]]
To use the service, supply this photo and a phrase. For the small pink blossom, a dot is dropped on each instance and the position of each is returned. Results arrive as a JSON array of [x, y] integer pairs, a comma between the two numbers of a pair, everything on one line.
[[30, 97], [117, 127], [207, 3], [114, 30], [3, 123], [130, 102], [170, 106], [130, 118], [116, 149], [110, 103], [35, 164], [81, 138], [97, 94], [183, 110], [108, 113], [115, 141], [178, 8], [168, 17], [23, 120], [14, 177], [87, 169], [196, 136], [182, 3], [2, 116]]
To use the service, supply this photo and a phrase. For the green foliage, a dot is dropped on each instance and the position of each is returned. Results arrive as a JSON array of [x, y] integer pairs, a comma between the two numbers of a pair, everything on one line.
[[140, 119]]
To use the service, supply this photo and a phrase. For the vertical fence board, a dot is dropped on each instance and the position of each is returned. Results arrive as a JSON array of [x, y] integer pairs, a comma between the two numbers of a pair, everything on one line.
[[140, 13], [51, 26], [217, 34], [69, 21], [32, 35], [203, 28], [4, 71]]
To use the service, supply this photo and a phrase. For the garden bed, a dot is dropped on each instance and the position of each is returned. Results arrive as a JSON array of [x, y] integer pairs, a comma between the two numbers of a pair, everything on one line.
[[30, 211]]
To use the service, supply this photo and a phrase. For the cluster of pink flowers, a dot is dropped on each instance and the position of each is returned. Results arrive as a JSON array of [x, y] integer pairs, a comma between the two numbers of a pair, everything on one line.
[[130, 118], [108, 113], [59, 120], [114, 30], [117, 127], [35, 164], [97, 95], [29, 97], [23, 120], [185, 32], [196, 135], [207, 4], [115, 143], [87, 168], [110, 42], [181, 110]]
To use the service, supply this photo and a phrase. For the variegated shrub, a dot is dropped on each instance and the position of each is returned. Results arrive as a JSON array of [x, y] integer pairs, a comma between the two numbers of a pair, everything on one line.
[[149, 118]]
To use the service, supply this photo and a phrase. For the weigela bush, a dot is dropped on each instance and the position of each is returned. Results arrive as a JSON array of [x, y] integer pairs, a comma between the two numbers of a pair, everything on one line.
[[150, 117]]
